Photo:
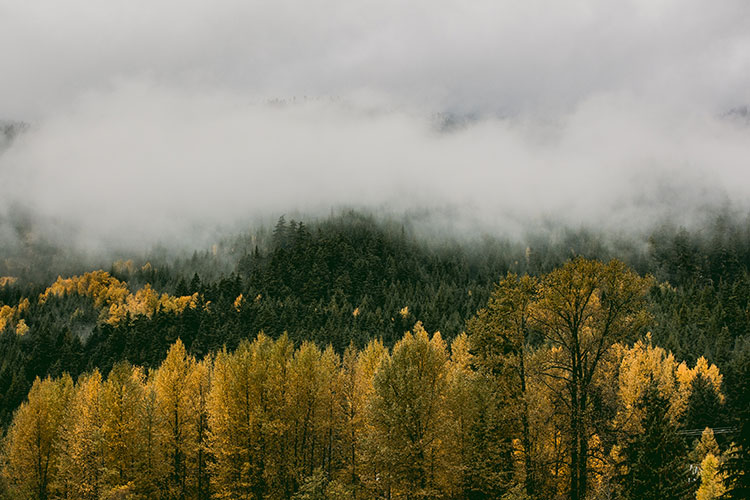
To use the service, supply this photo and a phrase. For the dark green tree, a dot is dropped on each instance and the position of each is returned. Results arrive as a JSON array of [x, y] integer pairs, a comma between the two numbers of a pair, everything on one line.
[[655, 463], [737, 466], [704, 407]]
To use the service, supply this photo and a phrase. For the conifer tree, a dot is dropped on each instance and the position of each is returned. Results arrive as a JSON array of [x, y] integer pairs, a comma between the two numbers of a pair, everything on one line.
[[235, 421], [703, 404], [712, 483], [151, 468], [408, 414], [246, 408], [351, 416], [358, 391], [121, 398], [31, 446], [655, 463], [204, 376], [737, 466], [82, 444], [330, 418], [306, 389], [176, 384]]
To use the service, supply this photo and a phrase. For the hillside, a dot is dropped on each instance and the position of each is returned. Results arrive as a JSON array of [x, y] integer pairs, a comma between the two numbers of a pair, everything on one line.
[[348, 280]]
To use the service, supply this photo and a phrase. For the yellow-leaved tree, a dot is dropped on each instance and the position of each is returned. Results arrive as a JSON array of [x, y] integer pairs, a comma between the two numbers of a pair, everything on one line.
[[712, 480], [237, 407], [31, 446], [122, 397], [357, 389], [583, 309], [176, 383], [82, 445], [408, 415], [499, 340]]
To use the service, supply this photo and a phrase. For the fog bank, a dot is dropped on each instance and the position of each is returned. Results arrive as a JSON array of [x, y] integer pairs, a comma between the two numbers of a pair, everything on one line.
[[167, 122]]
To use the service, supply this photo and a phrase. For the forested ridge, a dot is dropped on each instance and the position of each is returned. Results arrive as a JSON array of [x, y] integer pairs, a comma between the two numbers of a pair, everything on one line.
[[277, 365]]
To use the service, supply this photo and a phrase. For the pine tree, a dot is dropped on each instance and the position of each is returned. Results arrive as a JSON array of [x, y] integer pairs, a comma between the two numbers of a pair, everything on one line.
[[655, 462], [737, 466], [703, 405]]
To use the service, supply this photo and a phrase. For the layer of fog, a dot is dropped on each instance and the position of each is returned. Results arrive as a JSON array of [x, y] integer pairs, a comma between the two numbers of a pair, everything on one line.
[[171, 122]]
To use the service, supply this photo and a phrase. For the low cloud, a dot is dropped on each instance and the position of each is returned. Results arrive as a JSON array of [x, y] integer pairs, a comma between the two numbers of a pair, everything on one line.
[[161, 121]]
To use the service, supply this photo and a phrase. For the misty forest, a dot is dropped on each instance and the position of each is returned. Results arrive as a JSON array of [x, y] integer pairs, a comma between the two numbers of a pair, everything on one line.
[[392, 250], [345, 358]]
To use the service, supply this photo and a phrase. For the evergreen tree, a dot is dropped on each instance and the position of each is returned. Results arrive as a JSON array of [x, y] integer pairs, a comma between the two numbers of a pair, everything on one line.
[[655, 462], [704, 407], [737, 465]]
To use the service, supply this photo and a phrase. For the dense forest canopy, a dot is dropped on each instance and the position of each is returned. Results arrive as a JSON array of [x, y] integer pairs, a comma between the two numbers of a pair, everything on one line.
[[552, 375], [513, 261]]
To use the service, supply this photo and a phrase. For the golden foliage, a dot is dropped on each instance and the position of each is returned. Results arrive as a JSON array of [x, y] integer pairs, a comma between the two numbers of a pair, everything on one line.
[[100, 286], [420, 421], [710, 372], [712, 480], [22, 328], [238, 302], [123, 266], [7, 280], [113, 296], [7, 314], [640, 364], [31, 444]]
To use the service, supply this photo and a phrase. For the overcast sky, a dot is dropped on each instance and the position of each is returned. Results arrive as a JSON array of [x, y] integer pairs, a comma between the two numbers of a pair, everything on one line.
[[153, 118]]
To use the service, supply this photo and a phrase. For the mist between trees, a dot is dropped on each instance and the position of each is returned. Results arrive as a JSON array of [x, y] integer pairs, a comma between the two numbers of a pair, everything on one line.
[[542, 397]]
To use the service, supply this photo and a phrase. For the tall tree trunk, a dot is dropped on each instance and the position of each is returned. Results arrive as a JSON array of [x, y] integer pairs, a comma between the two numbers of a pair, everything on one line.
[[529, 479], [575, 423]]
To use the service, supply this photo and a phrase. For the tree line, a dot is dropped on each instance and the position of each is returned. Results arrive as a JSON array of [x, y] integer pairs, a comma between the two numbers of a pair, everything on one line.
[[556, 390]]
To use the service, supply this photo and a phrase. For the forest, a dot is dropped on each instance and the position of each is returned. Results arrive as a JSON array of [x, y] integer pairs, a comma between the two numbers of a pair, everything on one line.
[[351, 357]]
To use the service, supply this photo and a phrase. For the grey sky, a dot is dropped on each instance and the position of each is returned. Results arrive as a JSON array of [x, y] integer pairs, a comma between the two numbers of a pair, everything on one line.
[[152, 117]]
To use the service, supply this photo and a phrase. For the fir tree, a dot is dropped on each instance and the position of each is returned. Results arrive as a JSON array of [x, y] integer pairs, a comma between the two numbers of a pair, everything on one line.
[[656, 466]]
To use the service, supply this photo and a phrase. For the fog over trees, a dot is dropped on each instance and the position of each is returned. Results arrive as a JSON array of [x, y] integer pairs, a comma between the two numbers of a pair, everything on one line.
[[374, 250]]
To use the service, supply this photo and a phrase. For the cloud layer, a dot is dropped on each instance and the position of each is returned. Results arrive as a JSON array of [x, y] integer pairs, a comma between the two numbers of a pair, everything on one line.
[[153, 120]]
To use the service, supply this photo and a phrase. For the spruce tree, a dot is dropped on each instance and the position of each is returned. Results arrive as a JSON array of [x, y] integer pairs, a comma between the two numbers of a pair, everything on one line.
[[655, 465], [737, 466], [704, 407]]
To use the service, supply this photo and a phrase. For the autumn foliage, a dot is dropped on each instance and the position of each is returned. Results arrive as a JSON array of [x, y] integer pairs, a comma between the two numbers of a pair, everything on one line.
[[549, 394]]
